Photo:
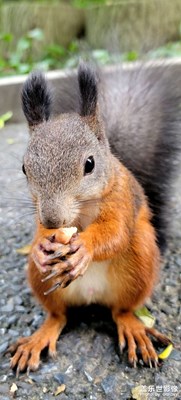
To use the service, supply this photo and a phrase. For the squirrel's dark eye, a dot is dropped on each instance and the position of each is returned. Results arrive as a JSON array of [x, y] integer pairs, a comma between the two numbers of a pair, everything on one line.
[[89, 165], [23, 169]]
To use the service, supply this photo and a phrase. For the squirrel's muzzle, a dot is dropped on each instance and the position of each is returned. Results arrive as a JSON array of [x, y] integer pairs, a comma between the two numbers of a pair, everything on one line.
[[54, 214], [51, 223]]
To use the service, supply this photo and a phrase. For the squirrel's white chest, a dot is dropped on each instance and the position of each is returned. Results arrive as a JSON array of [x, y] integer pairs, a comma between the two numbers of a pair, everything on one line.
[[92, 287]]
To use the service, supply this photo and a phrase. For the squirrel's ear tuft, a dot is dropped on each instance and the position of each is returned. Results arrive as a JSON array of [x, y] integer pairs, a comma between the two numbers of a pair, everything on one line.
[[88, 90], [36, 99]]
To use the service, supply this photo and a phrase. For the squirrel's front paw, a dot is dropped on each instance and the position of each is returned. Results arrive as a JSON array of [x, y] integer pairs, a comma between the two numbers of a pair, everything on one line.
[[74, 265], [44, 250]]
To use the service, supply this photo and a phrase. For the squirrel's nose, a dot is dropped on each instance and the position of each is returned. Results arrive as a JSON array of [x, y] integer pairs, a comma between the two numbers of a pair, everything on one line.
[[51, 215], [50, 223]]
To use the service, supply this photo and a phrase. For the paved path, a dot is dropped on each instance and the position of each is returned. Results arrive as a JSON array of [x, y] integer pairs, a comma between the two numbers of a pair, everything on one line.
[[88, 362]]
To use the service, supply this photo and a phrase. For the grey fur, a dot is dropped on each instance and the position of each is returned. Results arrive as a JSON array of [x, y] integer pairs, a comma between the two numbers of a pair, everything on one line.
[[141, 114], [54, 164], [141, 109]]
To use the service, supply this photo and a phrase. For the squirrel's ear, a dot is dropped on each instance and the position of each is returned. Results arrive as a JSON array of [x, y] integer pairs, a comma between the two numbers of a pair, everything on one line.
[[88, 90], [36, 99]]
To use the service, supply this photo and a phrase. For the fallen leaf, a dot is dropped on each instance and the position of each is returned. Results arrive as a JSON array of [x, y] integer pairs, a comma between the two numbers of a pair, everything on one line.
[[13, 388], [10, 141], [5, 117], [145, 316], [29, 380], [1, 124], [25, 250], [165, 353], [26, 267], [97, 380], [60, 389], [138, 393]]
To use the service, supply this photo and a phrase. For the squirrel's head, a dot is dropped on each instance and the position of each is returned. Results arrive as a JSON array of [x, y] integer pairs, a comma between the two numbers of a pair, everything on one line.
[[67, 162]]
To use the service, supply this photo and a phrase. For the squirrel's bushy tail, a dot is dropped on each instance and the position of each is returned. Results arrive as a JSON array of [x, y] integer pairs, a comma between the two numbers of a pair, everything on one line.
[[142, 110]]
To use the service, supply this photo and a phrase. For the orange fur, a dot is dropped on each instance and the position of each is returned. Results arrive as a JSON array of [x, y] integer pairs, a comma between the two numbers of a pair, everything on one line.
[[120, 268]]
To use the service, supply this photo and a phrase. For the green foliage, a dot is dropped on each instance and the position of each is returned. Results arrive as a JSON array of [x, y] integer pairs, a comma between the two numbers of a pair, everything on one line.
[[170, 50], [87, 3], [23, 59]]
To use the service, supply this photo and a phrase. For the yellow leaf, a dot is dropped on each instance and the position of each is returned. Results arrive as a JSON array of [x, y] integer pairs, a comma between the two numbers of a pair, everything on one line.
[[10, 141], [138, 393], [165, 353], [25, 250], [145, 316], [13, 388], [1, 123], [4, 118], [60, 389]]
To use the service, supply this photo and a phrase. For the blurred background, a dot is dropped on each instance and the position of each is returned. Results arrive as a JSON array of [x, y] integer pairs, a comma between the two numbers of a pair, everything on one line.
[[54, 34]]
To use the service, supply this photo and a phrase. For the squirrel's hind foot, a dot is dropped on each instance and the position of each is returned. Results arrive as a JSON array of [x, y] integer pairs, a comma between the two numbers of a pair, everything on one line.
[[135, 334], [27, 350]]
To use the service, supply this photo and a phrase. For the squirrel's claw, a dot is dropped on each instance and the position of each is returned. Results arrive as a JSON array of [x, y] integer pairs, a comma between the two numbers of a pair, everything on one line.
[[74, 266], [47, 254], [54, 287], [132, 331], [51, 275]]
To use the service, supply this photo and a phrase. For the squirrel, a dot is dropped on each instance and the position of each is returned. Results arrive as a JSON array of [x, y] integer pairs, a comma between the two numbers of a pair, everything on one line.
[[95, 241]]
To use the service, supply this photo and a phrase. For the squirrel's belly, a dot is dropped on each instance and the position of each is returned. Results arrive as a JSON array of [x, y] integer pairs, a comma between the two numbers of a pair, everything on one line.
[[93, 287]]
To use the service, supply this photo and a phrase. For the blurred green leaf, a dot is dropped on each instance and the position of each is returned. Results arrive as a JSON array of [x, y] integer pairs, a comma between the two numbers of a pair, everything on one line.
[[145, 316], [4, 118], [23, 44], [14, 60], [73, 47], [55, 51], [36, 34], [24, 68], [87, 3], [44, 65], [130, 56], [6, 37], [71, 62], [169, 50], [101, 55]]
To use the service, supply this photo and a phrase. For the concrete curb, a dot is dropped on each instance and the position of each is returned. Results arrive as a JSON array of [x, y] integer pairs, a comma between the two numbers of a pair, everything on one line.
[[10, 92], [10, 87]]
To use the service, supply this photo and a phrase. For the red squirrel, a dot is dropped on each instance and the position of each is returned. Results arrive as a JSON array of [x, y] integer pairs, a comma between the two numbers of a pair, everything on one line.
[[111, 256]]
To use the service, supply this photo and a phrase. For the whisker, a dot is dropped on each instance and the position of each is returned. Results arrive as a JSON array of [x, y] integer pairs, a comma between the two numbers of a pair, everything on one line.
[[11, 169], [17, 207], [21, 178], [82, 214], [14, 155], [25, 195], [19, 199], [19, 219], [89, 201]]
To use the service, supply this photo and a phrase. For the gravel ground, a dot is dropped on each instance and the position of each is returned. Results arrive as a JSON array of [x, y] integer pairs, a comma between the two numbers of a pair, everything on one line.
[[88, 365]]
